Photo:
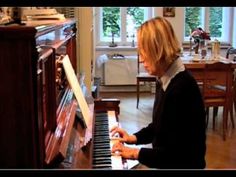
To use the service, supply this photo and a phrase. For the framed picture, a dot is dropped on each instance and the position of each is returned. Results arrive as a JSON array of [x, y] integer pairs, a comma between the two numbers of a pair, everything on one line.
[[168, 11]]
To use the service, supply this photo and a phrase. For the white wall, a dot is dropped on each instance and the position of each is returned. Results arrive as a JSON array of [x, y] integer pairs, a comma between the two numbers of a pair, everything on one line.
[[234, 29], [177, 21], [85, 42]]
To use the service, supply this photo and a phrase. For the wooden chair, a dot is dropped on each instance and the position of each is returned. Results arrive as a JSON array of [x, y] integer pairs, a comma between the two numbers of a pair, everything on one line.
[[218, 73], [142, 76], [230, 51]]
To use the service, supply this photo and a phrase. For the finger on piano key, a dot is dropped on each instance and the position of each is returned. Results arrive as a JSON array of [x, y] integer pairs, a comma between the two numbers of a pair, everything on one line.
[[115, 132], [116, 135], [117, 139], [116, 153], [113, 128]]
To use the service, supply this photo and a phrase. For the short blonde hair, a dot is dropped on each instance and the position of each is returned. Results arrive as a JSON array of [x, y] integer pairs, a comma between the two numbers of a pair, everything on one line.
[[157, 42]]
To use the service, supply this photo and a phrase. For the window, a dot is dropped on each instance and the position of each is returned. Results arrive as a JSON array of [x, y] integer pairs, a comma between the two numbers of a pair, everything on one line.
[[215, 20], [121, 23]]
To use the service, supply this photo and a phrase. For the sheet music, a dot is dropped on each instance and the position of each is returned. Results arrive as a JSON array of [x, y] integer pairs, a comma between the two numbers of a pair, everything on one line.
[[75, 86]]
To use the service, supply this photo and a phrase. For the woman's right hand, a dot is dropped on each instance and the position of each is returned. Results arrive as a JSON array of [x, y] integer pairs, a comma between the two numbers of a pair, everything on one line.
[[123, 135]]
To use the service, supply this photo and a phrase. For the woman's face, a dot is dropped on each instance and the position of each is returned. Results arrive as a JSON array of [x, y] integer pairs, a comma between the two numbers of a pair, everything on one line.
[[145, 63], [149, 67]]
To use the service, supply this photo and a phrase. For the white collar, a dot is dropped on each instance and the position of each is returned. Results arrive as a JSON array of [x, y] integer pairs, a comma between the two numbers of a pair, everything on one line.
[[176, 67]]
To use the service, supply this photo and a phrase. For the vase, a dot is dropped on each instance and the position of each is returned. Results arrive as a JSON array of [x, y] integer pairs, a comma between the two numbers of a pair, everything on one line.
[[196, 48], [215, 49], [203, 48]]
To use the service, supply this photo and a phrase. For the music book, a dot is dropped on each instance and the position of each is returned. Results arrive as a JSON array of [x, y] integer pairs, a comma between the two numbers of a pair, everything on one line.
[[76, 88]]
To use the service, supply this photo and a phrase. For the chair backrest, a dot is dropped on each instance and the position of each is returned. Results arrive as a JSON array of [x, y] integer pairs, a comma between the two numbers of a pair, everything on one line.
[[217, 74], [140, 67], [230, 50], [138, 63]]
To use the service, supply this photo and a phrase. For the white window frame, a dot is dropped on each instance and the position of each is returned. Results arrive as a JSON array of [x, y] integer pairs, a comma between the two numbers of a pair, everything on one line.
[[226, 21], [123, 42]]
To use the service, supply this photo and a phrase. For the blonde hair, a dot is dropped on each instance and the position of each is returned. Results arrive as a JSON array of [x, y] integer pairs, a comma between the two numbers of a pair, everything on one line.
[[157, 42]]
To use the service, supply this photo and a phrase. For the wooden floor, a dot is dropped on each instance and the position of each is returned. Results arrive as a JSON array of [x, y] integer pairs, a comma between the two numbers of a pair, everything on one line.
[[220, 154]]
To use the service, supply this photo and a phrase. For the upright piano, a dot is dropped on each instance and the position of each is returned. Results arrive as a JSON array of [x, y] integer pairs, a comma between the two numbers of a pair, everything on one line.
[[40, 120]]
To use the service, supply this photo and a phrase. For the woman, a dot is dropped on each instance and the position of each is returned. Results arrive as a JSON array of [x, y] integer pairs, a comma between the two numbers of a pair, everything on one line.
[[177, 131]]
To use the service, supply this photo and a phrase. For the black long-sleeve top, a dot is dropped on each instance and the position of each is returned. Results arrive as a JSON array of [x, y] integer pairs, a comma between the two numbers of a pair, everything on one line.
[[178, 129]]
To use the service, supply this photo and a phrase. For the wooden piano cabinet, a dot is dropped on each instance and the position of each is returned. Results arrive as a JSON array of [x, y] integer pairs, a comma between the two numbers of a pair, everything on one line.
[[106, 104], [31, 97]]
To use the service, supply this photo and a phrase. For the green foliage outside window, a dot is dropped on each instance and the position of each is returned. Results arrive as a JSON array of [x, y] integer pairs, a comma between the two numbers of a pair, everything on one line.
[[111, 21], [138, 14], [192, 19], [216, 21]]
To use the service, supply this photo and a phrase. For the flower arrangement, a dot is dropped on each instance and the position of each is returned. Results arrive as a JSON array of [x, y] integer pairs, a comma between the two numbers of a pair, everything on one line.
[[199, 35]]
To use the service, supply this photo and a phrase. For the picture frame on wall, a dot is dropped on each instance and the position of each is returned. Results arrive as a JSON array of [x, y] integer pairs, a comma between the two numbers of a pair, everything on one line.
[[168, 11]]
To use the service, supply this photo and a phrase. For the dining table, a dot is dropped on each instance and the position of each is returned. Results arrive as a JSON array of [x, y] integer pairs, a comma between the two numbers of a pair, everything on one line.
[[196, 64]]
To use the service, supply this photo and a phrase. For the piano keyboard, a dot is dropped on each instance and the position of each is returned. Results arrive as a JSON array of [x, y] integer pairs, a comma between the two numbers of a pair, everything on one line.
[[102, 158]]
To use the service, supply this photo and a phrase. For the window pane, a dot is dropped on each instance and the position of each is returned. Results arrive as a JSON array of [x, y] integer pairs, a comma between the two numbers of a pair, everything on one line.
[[193, 19], [216, 21], [135, 17], [110, 23]]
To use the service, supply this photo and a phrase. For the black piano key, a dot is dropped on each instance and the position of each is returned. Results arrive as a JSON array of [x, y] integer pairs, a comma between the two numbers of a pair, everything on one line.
[[101, 119], [101, 155], [98, 139], [96, 151], [101, 114], [102, 145], [102, 130], [100, 142], [102, 123], [102, 161], [102, 139], [101, 133], [107, 166], [105, 146], [100, 148]]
